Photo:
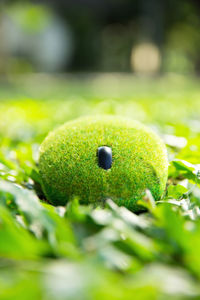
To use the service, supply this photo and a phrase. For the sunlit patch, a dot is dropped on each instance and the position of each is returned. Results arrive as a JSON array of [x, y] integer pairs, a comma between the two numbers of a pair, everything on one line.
[[145, 58]]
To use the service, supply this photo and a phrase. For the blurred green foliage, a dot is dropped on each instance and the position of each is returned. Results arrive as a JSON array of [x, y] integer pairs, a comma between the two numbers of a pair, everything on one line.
[[81, 252], [31, 18], [57, 36]]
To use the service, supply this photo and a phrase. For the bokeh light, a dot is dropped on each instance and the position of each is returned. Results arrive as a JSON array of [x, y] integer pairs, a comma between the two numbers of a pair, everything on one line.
[[146, 58]]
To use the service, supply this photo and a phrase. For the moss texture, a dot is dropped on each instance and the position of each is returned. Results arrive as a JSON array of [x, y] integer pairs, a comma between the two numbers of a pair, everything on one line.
[[69, 166]]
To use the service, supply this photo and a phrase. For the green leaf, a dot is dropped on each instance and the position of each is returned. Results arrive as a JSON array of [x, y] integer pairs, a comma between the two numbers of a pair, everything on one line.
[[176, 191], [185, 169]]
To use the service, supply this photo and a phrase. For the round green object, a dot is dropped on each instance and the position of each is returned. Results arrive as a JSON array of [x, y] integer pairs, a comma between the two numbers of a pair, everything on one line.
[[69, 166]]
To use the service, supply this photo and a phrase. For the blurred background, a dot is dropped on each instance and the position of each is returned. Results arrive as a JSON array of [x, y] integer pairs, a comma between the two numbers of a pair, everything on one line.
[[144, 37]]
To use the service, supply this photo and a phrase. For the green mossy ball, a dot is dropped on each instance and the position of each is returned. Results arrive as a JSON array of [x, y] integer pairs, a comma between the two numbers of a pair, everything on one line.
[[69, 164]]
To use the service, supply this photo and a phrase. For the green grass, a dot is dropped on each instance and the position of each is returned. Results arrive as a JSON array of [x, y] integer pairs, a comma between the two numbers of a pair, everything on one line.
[[81, 252]]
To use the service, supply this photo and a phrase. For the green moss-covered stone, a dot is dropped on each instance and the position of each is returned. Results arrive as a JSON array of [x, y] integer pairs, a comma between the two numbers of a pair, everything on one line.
[[69, 164]]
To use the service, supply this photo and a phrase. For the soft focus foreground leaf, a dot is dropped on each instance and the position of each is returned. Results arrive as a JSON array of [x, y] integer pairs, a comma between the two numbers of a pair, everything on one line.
[[42, 220], [15, 241]]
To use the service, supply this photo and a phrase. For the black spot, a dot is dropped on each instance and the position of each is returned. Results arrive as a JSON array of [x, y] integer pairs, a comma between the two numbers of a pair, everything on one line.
[[104, 155]]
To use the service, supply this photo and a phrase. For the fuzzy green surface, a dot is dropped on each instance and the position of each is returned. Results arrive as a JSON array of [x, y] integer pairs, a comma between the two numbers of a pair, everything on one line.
[[68, 162]]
